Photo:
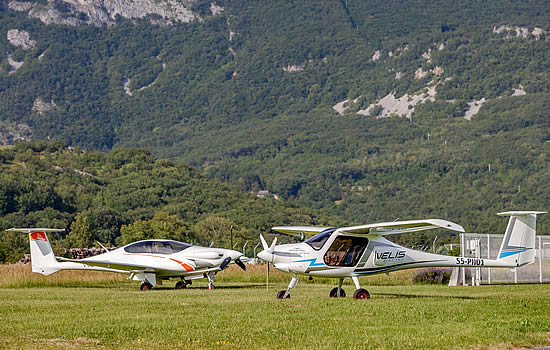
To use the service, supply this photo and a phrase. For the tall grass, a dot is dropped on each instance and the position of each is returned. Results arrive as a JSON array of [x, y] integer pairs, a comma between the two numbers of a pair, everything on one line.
[[21, 276]]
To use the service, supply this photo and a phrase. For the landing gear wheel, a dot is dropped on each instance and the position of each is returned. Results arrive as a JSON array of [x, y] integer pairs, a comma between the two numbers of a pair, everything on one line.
[[210, 286], [281, 295], [145, 286], [361, 293], [181, 285], [334, 293]]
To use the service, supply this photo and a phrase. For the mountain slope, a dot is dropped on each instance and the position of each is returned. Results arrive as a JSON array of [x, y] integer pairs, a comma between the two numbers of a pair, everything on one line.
[[50, 185], [370, 110]]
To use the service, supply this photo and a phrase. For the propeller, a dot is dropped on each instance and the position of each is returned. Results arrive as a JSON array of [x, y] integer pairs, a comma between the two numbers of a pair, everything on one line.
[[224, 263], [240, 264], [268, 250]]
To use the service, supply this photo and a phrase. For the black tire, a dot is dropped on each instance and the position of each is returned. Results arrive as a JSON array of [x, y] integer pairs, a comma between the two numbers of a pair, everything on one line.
[[145, 286], [334, 293], [361, 293], [181, 285], [281, 295]]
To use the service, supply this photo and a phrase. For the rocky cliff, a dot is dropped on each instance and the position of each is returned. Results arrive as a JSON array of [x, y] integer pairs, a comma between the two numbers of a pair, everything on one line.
[[101, 12]]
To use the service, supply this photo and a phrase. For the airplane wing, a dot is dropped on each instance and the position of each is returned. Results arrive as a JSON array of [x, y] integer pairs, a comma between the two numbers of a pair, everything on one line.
[[396, 227], [299, 230], [110, 265]]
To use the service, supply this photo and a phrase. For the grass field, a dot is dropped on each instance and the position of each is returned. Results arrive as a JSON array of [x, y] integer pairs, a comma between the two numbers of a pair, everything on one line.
[[101, 310]]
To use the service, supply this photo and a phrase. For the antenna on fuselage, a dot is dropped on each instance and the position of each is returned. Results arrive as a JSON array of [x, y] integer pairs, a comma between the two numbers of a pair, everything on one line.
[[102, 246]]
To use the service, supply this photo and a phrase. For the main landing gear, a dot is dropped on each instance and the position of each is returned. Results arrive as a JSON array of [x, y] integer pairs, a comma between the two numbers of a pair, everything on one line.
[[145, 286], [337, 292], [182, 284], [360, 293]]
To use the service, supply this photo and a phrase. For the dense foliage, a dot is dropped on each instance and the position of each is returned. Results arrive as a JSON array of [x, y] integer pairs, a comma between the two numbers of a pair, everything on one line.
[[123, 196], [246, 96]]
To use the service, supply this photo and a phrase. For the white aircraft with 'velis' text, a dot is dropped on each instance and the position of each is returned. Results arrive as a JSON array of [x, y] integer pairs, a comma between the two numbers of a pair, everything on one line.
[[352, 252], [149, 261]]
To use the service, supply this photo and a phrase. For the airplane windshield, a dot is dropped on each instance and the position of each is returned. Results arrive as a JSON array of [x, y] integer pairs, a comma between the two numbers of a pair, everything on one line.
[[157, 247], [317, 241]]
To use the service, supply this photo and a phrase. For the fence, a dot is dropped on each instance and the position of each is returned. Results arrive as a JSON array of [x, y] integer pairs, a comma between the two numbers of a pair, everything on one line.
[[487, 246]]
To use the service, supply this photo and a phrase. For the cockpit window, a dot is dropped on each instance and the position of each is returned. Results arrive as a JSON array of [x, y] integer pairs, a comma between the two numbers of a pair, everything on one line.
[[317, 241], [157, 247]]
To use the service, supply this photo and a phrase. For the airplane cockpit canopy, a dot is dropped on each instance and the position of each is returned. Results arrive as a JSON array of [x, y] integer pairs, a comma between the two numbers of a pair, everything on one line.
[[317, 241], [156, 247]]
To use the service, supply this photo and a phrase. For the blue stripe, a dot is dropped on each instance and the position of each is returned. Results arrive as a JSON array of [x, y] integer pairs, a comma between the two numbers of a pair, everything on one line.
[[505, 254], [311, 262]]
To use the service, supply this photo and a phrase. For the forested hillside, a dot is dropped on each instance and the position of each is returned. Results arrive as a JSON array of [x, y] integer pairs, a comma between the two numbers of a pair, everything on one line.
[[369, 110], [126, 195]]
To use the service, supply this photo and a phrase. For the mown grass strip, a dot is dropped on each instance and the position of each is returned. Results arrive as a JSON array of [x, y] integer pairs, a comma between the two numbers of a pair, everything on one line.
[[240, 315]]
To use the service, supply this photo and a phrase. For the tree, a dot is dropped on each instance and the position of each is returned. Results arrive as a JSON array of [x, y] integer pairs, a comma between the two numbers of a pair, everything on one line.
[[162, 226], [217, 229], [80, 235]]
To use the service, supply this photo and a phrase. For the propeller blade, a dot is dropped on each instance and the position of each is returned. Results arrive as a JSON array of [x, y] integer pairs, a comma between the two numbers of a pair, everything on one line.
[[224, 263], [264, 243], [267, 277], [240, 264], [272, 248]]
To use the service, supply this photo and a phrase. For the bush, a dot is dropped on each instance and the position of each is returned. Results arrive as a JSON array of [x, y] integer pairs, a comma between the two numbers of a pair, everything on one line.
[[432, 275]]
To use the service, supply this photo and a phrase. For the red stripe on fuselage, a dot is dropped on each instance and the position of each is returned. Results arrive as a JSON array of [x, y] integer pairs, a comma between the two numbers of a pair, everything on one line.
[[182, 264]]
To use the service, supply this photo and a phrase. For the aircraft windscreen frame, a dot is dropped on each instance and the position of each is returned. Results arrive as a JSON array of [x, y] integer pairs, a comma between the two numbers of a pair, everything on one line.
[[157, 247], [318, 241]]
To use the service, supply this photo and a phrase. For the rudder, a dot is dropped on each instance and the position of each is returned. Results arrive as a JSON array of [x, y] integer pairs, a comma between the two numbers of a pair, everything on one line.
[[518, 244], [43, 259]]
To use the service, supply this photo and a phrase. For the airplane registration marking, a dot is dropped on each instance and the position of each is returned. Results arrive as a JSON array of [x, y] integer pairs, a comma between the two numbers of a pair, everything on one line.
[[470, 261]]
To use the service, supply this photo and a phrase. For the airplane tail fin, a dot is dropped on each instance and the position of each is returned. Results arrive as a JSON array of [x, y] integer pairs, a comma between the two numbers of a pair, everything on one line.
[[42, 256], [518, 244]]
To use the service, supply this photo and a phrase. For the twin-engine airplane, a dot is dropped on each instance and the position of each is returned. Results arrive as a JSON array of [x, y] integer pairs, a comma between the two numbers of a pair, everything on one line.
[[352, 252], [149, 261]]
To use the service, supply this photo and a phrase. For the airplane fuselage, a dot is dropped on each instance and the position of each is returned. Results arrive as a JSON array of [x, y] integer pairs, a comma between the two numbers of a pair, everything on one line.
[[378, 255]]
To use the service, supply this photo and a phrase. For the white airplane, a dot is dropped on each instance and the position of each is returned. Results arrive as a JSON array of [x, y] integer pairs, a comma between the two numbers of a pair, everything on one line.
[[149, 261], [352, 252]]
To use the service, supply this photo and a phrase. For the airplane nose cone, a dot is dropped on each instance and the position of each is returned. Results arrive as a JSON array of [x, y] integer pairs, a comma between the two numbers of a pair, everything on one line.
[[264, 255], [233, 254]]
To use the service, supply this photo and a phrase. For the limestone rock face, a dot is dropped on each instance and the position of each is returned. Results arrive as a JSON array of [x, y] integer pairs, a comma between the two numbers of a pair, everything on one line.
[[20, 38], [12, 132], [101, 12]]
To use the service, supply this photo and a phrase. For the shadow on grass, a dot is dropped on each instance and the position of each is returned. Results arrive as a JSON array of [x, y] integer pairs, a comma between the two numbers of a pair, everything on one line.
[[244, 286], [422, 296]]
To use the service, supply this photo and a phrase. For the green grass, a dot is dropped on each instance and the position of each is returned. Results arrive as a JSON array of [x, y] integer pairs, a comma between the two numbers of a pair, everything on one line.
[[245, 315]]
